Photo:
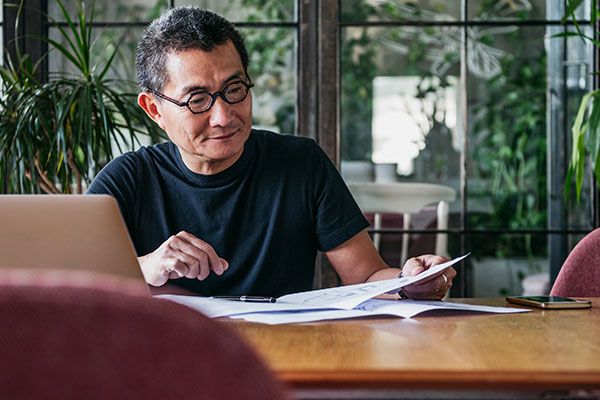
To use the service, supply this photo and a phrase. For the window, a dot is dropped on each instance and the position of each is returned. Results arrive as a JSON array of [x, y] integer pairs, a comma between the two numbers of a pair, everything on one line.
[[477, 96], [444, 93]]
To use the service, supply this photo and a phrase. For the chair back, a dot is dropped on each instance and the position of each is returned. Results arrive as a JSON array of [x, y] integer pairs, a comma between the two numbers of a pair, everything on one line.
[[579, 275], [69, 342], [404, 198]]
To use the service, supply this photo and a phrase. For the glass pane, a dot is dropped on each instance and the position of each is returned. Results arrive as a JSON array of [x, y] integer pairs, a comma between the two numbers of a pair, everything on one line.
[[399, 106], [397, 10], [111, 10], [507, 131], [273, 70], [513, 273], [105, 41], [390, 244], [249, 10], [578, 68], [494, 10]]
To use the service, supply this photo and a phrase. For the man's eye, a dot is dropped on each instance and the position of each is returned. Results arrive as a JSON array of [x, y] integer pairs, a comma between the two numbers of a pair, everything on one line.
[[234, 89], [198, 100]]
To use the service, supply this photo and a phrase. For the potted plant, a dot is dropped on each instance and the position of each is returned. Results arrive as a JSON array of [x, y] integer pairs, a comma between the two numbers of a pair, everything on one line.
[[56, 134], [586, 128]]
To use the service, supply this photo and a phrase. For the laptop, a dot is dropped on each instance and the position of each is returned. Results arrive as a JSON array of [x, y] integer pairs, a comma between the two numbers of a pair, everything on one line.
[[66, 232]]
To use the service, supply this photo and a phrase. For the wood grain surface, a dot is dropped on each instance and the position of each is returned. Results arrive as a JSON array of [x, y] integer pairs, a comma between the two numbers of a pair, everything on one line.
[[537, 350]]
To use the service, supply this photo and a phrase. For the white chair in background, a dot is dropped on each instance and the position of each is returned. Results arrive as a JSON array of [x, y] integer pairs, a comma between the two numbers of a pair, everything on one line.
[[404, 198]]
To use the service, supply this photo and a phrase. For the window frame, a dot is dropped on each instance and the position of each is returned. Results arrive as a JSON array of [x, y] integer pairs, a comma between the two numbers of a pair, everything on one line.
[[318, 30]]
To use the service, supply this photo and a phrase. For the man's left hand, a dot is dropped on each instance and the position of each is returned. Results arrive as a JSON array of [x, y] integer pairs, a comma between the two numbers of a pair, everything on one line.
[[433, 288]]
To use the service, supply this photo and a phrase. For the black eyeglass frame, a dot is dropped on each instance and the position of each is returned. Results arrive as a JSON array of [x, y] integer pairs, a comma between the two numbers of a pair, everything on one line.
[[213, 96]]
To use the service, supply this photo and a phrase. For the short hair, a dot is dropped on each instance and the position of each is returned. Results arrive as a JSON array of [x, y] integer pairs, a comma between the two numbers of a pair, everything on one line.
[[179, 29]]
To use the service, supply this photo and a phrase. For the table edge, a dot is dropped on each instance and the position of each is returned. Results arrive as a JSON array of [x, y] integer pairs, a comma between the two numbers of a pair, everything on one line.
[[522, 380]]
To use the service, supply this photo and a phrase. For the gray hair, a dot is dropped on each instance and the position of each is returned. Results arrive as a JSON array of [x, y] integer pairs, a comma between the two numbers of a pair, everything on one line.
[[179, 29]]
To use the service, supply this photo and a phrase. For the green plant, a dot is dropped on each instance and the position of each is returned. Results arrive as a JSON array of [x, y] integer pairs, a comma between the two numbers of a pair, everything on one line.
[[511, 153], [56, 134], [586, 128], [271, 61], [358, 68]]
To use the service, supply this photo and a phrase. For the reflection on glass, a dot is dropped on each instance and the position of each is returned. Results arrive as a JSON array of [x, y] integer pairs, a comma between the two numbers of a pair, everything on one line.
[[507, 145], [498, 10], [248, 10], [397, 10], [400, 105], [577, 71], [404, 119], [399, 108]]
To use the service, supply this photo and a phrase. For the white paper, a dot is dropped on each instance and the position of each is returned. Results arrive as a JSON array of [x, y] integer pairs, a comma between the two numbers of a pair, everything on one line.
[[373, 307], [331, 303], [226, 308], [348, 297]]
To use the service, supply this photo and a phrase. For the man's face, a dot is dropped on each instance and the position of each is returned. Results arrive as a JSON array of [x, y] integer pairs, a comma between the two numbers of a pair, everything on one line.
[[213, 140]]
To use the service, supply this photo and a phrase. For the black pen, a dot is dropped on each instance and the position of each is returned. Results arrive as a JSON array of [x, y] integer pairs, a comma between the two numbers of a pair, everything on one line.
[[254, 299]]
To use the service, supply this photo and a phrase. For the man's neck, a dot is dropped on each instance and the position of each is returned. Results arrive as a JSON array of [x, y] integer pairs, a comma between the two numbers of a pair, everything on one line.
[[200, 165]]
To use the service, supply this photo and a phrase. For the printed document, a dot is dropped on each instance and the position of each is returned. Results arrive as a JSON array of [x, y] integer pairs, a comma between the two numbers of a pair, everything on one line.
[[332, 303]]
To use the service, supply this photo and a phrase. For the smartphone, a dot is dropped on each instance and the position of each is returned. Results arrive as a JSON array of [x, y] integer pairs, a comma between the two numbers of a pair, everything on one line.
[[553, 302]]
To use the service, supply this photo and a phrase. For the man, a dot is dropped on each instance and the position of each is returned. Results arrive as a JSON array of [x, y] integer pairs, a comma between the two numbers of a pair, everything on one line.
[[222, 209]]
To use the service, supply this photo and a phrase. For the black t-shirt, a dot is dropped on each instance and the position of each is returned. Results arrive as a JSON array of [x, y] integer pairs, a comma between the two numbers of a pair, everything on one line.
[[266, 215]]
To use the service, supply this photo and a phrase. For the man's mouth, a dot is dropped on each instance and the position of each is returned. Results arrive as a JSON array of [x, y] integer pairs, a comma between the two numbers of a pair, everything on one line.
[[224, 136]]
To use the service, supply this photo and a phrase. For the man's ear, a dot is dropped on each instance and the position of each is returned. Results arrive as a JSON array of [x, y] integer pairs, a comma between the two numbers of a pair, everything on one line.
[[149, 103]]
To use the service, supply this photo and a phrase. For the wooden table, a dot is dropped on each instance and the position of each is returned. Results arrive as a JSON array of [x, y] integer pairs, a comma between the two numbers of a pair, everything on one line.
[[454, 353]]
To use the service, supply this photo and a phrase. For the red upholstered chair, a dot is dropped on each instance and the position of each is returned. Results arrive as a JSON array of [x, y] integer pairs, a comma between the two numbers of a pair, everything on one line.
[[580, 273], [75, 342]]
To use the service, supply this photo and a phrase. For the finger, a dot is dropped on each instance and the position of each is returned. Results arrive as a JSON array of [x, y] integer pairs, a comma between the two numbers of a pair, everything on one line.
[[197, 266], [431, 278], [204, 266], [446, 276], [194, 258], [225, 264], [432, 289], [197, 246], [449, 272], [412, 267], [193, 270], [173, 265], [429, 260]]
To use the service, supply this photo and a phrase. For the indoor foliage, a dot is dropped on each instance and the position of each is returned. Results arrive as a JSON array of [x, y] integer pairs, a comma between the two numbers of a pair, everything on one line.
[[56, 133]]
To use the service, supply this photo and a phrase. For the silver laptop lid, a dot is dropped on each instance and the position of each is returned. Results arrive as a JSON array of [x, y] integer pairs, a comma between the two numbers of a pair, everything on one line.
[[66, 232]]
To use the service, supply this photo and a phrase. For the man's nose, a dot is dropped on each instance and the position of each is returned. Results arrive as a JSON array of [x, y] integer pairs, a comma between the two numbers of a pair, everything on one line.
[[220, 113]]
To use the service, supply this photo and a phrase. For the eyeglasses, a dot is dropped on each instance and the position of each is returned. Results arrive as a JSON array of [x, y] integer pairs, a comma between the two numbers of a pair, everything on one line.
[[200, 102]]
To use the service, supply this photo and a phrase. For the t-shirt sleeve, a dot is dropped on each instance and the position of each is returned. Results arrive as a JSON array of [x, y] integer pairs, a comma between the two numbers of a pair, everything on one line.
[[118, 179], [338, 217]]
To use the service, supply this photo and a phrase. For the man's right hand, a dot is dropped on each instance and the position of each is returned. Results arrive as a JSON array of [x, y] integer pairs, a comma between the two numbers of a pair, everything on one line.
[[181, 255]]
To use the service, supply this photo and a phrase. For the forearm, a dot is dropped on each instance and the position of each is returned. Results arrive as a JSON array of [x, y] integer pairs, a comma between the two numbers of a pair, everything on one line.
[[383, 274], [357, 261]]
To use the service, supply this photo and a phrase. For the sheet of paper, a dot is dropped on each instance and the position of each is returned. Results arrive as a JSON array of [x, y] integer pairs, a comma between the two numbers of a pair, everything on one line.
[[225, 308], [348, 297], [344, 297], [373, 307]]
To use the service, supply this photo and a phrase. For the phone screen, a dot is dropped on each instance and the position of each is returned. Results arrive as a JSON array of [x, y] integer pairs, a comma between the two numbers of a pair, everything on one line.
[[549, 299]]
